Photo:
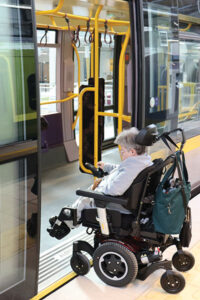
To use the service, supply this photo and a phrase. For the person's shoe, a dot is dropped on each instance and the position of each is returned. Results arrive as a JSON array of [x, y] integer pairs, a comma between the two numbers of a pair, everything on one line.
[[59, 231]]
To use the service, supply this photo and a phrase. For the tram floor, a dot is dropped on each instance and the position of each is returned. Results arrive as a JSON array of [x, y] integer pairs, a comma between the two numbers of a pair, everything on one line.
[[91, 287]]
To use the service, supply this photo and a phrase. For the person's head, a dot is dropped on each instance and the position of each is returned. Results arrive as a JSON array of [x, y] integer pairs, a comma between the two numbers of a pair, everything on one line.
[[126, 139]]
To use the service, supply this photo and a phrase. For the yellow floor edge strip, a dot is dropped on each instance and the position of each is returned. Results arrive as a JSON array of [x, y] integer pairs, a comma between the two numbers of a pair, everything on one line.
[[54, 286], [192, 283]]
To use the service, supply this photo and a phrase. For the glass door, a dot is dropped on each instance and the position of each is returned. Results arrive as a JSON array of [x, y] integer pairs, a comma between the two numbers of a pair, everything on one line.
[[18, 152]]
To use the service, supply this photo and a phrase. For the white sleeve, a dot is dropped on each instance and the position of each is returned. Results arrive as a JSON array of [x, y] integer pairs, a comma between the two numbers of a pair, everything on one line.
[[119, 184], [109, 167]]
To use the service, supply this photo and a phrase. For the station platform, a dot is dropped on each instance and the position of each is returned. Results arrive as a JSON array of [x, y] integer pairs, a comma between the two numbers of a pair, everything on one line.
[[90, 287]]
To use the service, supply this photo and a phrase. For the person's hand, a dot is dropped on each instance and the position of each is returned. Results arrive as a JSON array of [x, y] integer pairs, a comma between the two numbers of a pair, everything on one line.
[[100, 164], [96, 183]]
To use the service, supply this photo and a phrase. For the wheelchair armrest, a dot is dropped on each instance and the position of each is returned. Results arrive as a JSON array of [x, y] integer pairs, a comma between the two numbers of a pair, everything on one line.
[[100, 199]]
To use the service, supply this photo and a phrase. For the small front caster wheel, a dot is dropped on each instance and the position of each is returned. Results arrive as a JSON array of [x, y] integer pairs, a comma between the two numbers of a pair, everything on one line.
[[172, 282], [183, 261], [80, 263]]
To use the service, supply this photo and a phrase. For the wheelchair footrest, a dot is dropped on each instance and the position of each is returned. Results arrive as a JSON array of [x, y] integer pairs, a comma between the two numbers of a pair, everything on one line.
[[144, 272]]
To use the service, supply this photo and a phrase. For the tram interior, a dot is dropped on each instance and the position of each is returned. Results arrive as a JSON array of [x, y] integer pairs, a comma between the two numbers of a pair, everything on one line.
[[60, 166]]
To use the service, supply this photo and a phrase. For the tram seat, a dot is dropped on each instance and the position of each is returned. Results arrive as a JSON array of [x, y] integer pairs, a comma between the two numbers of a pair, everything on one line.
[[137, 201]]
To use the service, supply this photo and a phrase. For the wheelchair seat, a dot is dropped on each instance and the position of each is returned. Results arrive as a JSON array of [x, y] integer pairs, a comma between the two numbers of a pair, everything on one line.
[[134, 205]]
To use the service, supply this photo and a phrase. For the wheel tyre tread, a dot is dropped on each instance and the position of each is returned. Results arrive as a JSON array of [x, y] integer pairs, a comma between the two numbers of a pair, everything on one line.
[[166, 287], [111, 246], [84, 260], [176, 265]]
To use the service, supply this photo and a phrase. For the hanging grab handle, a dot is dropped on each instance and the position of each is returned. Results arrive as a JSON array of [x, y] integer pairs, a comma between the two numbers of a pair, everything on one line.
[[105, 34], [90, 38], [44, 36], [76, 40], [68, 24]]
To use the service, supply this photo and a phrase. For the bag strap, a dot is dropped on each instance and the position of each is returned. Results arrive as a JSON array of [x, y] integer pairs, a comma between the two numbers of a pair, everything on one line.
[[165, 138], [169, 172], [182, 181], [185, 172]]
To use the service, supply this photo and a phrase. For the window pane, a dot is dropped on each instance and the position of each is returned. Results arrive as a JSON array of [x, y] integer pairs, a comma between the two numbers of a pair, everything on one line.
[[47, 78], [12, 224], [106, 67], [189, 84], [161, 62], [17, 75]]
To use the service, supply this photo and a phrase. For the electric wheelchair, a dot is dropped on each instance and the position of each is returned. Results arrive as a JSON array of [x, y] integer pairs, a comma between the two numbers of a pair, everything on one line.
[[126, 245]]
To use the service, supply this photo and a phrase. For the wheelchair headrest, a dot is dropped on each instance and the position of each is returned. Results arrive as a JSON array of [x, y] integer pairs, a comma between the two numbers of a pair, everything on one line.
[[147, 136]]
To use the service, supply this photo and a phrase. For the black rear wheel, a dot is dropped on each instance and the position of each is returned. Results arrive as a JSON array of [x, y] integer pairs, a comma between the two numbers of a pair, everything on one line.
[[183, 261], [172, 282], [115, 264]]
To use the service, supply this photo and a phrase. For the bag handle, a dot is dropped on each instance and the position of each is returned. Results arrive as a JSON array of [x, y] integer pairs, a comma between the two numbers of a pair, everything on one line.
[[169, 172]]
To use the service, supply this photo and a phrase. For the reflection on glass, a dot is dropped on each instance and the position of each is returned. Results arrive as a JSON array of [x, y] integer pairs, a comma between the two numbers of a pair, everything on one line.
[[12, 224], [189, 83], [106, 66], [17, 75], [109, 132], [47, 78], [161, 61], [84, 54]]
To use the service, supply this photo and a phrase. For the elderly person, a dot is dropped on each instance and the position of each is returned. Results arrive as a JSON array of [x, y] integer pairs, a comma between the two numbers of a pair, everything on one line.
[[119, 178]]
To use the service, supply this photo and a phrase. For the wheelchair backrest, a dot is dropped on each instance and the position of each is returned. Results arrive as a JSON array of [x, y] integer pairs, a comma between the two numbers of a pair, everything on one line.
[[145, 184]]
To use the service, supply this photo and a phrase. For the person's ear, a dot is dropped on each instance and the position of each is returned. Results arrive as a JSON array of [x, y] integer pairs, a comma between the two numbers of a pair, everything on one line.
[[133, 151]]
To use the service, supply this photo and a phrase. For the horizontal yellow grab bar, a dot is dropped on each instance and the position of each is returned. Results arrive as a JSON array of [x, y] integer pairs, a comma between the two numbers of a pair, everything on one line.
[[60, 101], [115, 115], [73, 28]]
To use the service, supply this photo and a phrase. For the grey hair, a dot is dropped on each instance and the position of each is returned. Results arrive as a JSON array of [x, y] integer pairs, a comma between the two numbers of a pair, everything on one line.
[[126, 139]]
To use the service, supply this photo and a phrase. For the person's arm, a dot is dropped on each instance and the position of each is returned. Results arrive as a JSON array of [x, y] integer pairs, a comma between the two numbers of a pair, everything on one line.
[[109, 167], [117, 185]]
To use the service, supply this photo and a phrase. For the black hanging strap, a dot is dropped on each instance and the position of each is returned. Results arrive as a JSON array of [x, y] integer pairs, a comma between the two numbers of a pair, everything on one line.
[[165, 138], [44, 36]]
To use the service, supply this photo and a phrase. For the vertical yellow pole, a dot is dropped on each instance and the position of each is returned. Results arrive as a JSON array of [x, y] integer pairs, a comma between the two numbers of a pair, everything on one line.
[[96, 86], [121, 80]]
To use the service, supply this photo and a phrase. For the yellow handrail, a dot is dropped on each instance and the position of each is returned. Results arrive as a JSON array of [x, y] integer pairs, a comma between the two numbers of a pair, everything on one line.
[[53, 21], [186, 28], [75, 17], [79, 82], [115, 115], [121, 80], [89, 89], [52, 11], [96, 85], [73, 28], [60, 101]]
